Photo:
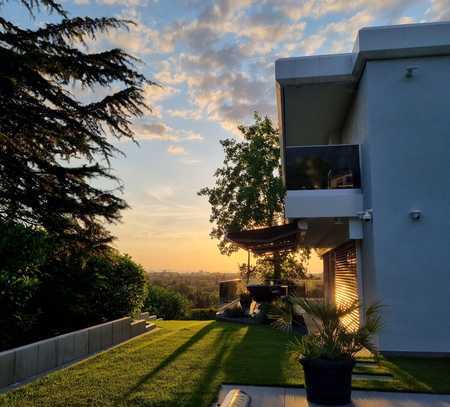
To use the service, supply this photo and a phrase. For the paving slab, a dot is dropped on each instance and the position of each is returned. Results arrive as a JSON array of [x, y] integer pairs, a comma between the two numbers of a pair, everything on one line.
[[296, 397]]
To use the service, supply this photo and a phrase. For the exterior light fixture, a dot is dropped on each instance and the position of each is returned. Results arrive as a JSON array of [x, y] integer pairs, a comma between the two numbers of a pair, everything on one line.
[[415, 214], [410, 71]]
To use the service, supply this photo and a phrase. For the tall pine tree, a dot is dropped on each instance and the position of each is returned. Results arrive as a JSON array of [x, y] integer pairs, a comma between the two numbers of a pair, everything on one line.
[[45, 129]]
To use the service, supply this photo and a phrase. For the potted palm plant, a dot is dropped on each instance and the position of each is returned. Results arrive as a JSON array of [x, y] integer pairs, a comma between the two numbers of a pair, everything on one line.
[[328, 354]]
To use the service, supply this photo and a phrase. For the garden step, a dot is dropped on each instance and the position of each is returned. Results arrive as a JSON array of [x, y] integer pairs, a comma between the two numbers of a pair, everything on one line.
[[370, 368], [373, 377], [138, 327], [367, 360], [149, 326], [144, 315]]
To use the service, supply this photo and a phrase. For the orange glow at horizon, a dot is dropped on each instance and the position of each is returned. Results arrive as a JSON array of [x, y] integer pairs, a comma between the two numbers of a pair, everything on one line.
[[190, 251]]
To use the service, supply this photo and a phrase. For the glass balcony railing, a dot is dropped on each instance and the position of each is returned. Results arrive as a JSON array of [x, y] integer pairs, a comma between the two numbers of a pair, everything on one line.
[[323, 167]]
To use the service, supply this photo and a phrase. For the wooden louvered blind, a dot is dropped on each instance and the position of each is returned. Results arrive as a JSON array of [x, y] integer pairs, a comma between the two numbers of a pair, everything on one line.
[[346, 281]]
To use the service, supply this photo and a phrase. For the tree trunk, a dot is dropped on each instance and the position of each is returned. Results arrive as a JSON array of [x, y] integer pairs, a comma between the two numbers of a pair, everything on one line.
[[248, 266], [276, 267]]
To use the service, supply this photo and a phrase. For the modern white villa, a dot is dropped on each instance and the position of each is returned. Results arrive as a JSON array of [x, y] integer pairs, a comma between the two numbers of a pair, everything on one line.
[[366, 162]]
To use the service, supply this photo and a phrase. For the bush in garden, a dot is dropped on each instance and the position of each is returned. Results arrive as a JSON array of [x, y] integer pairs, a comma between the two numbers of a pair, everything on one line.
[[202, 314], [166, 303], [45, 293], [22, 251]]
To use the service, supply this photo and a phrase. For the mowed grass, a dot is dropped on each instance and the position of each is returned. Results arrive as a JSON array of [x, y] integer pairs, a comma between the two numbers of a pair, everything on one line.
[[184, 363]]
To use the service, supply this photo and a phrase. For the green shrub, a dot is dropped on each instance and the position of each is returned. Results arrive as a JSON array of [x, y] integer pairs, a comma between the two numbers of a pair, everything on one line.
[[166, 303], [121, 286], [202, 314], [79, 292], [45, 291], [22, 252]]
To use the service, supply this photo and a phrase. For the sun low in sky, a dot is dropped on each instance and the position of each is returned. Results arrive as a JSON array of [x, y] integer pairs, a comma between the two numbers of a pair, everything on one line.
[[215, 63]]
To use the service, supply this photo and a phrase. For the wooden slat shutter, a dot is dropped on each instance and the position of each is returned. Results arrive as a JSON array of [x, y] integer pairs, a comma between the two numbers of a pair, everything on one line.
[[346, 281]]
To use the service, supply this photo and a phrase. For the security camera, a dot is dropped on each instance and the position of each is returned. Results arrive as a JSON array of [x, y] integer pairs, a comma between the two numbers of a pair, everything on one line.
[[366, 216]]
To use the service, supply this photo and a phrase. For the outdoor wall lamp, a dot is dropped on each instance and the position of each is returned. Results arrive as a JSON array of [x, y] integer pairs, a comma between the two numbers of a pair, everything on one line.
[[415, 214], [410, 71]]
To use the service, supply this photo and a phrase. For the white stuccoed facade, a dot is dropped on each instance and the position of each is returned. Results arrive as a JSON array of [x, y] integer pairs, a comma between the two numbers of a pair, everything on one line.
[[391, 96]]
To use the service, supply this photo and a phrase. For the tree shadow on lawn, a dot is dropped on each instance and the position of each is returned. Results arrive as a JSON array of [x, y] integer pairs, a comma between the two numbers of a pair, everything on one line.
[[258, 357], [424, 374], [171, 358], [262, 358], [208, 384], [233, 353]]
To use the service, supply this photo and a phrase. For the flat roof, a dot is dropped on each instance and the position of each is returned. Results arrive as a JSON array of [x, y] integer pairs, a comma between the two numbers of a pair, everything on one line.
[[315, 93], [396, 41]]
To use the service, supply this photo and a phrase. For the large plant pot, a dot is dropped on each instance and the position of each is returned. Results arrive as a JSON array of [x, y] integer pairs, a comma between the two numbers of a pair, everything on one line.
[[328, 381]]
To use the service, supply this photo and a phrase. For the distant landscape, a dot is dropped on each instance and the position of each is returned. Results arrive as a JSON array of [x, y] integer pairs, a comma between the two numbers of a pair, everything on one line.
[[201, 288]]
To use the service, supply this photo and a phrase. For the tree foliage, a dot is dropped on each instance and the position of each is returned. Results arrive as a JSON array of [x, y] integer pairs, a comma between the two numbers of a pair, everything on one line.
[[334, 338], [166, 303], [292, 266], [57, 191], [51, 144], [249, 193], [43, 294], [22, 253], [248, 190]]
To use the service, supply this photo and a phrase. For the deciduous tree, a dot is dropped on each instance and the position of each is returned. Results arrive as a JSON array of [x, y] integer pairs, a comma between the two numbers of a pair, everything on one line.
[[249, 193]]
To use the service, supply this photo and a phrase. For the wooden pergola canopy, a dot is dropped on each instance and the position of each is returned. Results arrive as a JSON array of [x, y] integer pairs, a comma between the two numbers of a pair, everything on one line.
[[267, 240]]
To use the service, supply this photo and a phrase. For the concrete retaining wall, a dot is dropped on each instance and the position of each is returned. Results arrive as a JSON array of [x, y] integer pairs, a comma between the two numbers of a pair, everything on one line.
[[30, 360]]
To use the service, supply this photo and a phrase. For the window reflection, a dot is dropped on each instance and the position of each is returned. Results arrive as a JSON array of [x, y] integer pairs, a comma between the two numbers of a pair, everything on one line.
[[323, 167]]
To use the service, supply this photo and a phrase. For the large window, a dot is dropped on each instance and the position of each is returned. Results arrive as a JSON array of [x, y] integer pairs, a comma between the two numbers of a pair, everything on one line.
[[323, 167]]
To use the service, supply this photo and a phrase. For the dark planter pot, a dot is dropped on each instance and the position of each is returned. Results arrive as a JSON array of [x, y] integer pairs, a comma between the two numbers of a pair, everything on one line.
[[328, 381]]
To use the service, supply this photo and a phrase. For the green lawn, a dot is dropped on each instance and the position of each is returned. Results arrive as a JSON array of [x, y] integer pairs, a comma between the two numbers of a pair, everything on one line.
[[184, 363]]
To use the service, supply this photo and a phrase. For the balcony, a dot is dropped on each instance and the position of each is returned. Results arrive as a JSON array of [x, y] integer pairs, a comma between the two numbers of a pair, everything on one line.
[[323, 181]]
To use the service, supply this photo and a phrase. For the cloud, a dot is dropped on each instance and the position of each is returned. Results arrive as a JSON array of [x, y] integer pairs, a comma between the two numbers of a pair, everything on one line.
[[154, 131], [185, 114], [406, 20], [439, 10], [228, 50], [221, 56], [162, 132], [190, 161], [176, 150], [139, 40], [317, 9], [192, 135], [159, 193], [343, 32]]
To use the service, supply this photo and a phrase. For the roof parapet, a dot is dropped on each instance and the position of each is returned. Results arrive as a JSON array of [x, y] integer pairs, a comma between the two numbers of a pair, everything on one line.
[[387, 42]]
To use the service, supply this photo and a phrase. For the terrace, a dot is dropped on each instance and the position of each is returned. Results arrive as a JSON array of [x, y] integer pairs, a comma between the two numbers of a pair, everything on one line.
[[184, 363]]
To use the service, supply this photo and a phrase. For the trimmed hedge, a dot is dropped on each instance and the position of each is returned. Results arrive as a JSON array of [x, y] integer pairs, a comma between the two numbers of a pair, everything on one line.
[[203, 314]]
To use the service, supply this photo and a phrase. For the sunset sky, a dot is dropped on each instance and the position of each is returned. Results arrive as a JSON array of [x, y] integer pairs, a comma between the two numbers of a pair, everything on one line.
[[215, 62]]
